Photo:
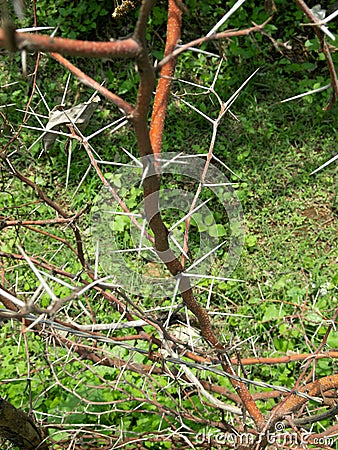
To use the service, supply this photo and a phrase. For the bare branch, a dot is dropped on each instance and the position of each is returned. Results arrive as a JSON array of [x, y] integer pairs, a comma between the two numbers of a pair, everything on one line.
[[217, 36], [85, 79], [124, 48]]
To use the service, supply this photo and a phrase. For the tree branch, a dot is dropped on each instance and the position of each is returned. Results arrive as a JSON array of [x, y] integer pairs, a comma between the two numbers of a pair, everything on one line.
[[213, 37], [19, 428], [167, 71], [126, 107], [326, 50], [123, 48]]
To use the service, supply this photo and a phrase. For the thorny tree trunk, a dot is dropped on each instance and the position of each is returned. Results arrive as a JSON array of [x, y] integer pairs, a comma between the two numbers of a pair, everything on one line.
[[17, 426]]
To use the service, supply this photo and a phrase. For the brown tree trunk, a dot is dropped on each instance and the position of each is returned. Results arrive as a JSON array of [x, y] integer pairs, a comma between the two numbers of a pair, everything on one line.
[[19, 428]]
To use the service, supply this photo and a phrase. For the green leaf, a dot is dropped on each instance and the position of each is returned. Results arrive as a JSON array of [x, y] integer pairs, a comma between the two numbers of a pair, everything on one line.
[[332, 340], [273, 313], [217, 230], [251, 241]]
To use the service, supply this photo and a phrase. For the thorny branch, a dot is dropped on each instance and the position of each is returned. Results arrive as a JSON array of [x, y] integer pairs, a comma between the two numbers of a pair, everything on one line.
[[326, 50], [148, 144]]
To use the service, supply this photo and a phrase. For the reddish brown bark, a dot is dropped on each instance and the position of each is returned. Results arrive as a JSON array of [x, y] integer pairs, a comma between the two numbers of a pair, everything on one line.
[[167, 71], [149, 143], [124, 48], [314, 389]]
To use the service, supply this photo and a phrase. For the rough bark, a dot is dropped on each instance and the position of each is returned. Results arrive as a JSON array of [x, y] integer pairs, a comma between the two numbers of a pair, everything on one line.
[[19, 428]]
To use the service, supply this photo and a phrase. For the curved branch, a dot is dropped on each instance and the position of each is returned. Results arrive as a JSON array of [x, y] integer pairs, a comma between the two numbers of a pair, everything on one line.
[[88, 81], [318, 387], [52, 204], [326, 50], [124, 48], [213, 37], [317, 417]]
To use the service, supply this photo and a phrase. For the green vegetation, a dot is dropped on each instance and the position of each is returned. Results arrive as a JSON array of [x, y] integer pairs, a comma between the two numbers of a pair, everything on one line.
[[288, 295]]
